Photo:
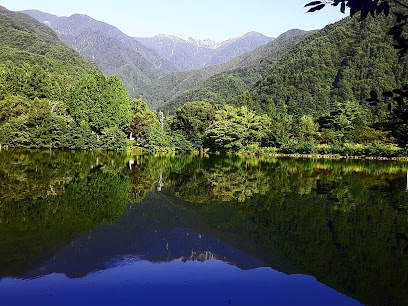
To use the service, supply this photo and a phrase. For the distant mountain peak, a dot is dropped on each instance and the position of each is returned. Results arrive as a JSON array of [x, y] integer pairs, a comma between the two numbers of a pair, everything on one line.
[[204, 43], [192, 53]]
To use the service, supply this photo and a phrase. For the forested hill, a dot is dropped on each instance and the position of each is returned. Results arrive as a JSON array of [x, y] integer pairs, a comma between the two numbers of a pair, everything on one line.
[[23, 40], [340, 64], [220, 83]]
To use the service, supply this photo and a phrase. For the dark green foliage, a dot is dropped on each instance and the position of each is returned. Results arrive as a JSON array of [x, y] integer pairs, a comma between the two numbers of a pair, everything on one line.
[[113, 139], [32, 81], [81, 137], [217, 90], [193, 117], [33, 113], [179, 142], [340, 63], [224, 136], [35, 126], [375, 8], [154, 139], [102, 102]]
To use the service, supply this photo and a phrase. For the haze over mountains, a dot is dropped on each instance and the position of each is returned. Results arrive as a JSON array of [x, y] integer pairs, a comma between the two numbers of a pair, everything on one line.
[[139, 61]]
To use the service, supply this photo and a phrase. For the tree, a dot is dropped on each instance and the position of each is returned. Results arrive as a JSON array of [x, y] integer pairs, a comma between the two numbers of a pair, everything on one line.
[[141, 116], [102, 102], [307, 128], [224, 136], [193, 117]]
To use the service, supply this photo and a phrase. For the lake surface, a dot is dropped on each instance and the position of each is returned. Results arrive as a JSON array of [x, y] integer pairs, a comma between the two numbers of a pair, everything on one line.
[[88, 228]]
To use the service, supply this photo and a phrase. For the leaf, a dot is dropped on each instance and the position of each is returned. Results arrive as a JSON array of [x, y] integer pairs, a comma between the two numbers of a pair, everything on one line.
[[313, 3], [316, 8]]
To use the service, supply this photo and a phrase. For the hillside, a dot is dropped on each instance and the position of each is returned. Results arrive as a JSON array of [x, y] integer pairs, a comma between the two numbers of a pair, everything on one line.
[[114, 52], [23, 40], [220, 83], [340, 64], [192, 54]]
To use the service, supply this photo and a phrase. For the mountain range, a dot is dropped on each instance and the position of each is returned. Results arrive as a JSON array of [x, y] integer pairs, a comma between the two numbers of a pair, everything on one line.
[[114, 52], [219, 82], [139, 61], [192, 54]]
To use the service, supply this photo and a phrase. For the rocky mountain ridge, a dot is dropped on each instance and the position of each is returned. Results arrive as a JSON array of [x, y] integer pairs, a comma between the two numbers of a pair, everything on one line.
[[192, 54]]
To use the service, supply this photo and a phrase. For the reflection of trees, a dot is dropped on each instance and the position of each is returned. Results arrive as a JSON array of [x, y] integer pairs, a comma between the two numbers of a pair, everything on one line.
[[229, 178], [36, 222]]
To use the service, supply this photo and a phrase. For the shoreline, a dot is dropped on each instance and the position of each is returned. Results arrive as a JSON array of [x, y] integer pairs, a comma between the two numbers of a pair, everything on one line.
[[141, 152], [326, 156]]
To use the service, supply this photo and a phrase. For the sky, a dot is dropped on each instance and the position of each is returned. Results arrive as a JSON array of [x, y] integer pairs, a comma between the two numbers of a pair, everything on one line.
[[214, 19]]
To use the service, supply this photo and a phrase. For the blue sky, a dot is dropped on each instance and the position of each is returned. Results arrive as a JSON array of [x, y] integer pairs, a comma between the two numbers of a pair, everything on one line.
[[215, 19]]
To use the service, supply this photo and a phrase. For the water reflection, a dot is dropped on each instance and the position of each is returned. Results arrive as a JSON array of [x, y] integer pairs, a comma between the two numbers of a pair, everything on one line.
[[77, 213]]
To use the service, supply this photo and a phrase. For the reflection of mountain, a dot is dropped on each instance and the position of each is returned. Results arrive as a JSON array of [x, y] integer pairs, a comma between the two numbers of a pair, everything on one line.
[[145, 232]]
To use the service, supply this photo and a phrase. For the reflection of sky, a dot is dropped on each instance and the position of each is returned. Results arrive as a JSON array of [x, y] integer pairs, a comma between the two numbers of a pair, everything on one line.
[[141, 282]]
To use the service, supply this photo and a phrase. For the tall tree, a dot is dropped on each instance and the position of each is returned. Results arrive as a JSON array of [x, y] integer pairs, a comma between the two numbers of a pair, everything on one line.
[[102, 102]]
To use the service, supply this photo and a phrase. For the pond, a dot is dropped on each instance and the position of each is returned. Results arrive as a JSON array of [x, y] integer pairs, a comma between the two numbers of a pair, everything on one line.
[[92, 228]]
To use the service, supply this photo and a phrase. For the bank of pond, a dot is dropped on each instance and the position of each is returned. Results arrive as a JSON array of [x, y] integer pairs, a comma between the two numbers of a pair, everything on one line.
[[80, 216]]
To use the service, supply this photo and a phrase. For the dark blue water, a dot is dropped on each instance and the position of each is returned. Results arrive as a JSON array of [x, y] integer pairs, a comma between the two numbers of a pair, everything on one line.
[[140, 282]]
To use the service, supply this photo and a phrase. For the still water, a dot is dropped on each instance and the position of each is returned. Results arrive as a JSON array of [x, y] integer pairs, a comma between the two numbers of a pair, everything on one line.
[[88, 228]]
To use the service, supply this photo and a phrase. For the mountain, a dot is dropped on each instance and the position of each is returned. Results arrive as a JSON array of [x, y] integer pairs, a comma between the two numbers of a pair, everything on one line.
[[114, 52], [238, 46], [23, 40], [192, 54], [216, 83]]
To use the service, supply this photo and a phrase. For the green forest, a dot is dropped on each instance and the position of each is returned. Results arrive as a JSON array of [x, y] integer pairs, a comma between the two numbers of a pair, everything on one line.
[[313, 100]]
